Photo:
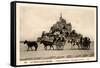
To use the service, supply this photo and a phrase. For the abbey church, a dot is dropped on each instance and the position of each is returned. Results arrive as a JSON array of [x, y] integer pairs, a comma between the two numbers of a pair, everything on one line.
[[61, 26]]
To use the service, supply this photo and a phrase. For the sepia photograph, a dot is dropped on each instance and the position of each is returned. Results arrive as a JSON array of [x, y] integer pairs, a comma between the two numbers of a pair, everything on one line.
[[50, 33]]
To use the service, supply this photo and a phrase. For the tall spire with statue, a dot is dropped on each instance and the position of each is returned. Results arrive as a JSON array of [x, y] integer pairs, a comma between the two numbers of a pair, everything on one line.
[[60, 18]]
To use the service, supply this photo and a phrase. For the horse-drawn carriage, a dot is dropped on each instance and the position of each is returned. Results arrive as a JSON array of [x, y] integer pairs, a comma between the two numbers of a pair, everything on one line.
[[53, 40], [82, 43], [85, 44]]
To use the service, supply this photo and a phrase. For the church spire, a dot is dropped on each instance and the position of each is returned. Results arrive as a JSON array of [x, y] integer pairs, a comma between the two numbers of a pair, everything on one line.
[[60, 16]]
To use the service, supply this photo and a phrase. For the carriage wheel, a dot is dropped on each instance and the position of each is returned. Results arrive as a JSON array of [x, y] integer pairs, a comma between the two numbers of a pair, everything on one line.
[[60, 46]]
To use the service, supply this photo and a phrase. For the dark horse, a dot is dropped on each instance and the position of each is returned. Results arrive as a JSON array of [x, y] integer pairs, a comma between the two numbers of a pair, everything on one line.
[[74, 42], [47, 43], [30, 44]]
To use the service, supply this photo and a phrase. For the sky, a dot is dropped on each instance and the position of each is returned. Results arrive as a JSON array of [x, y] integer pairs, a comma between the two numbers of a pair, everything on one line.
[[35, 18]]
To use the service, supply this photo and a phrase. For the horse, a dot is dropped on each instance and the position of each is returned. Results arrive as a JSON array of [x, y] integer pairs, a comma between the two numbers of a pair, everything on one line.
[[30, 44], [47, 43], [74, 42], [70, 41]]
